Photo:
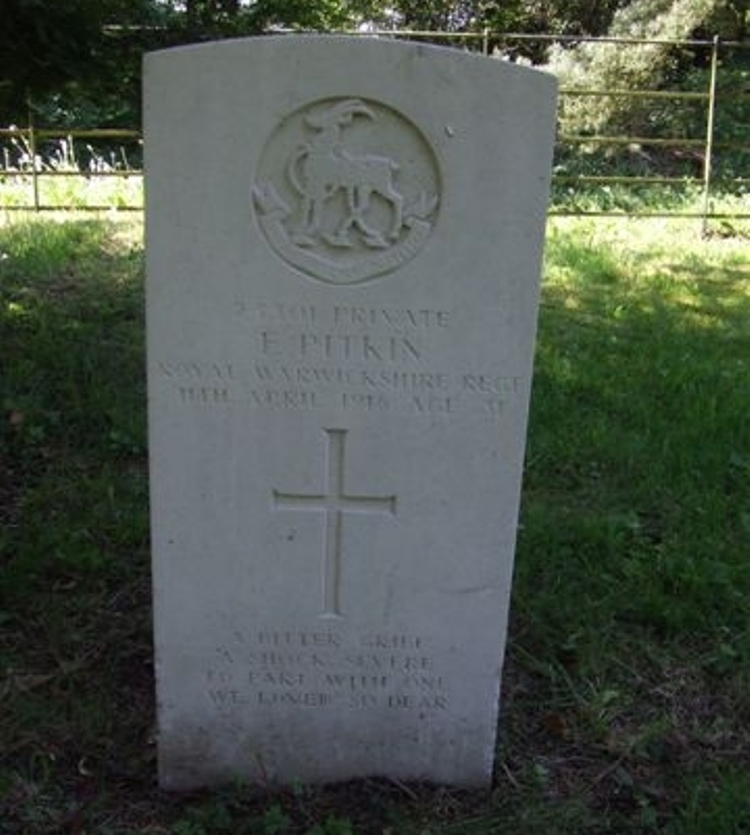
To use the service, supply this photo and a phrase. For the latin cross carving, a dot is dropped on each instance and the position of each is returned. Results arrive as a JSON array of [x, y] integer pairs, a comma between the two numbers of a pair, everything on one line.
[[334, 503]]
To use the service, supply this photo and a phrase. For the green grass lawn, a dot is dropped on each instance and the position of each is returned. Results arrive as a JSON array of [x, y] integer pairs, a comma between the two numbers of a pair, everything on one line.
[[626, 705]]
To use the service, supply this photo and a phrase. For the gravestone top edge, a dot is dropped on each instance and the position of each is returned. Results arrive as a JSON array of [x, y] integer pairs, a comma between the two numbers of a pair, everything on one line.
[[361, 42]]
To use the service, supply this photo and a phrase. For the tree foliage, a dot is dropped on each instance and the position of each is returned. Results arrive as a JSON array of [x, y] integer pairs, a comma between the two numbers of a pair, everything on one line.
[[49, 47], [609, 66], [208, 19], [44, 44]]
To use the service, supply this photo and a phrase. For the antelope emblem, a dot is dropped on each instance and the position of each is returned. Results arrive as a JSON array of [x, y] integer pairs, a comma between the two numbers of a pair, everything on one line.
[[322, 168]]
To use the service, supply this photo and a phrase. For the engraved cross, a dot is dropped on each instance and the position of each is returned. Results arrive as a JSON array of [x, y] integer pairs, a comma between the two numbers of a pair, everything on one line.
[[334, 502]]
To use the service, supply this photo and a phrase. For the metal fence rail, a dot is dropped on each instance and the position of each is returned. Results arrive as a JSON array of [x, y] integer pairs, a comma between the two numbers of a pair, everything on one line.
[[34, 171]]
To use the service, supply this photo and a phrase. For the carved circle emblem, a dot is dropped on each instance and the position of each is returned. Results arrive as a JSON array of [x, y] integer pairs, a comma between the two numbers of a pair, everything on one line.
[[347, 190]]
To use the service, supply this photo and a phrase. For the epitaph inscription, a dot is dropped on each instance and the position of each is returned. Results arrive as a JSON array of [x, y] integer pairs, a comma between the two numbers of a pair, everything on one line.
[[326, 670], [347, 190]]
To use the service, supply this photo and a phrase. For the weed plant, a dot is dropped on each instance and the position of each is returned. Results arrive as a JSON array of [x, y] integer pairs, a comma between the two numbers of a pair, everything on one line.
[[69, 175], [626, 691]]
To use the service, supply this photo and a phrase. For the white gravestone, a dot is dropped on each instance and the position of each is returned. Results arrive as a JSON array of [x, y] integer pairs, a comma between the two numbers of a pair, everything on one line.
[[343, 255]]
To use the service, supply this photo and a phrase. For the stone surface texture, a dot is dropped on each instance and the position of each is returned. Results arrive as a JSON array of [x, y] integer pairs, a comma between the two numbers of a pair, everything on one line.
[[343, 252]]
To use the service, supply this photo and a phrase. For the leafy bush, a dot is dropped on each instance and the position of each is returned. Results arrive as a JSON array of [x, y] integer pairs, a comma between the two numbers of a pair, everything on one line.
[[609, 66]]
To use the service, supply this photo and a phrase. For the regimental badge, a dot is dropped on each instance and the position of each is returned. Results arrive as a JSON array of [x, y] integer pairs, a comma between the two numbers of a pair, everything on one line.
[[347, 190]]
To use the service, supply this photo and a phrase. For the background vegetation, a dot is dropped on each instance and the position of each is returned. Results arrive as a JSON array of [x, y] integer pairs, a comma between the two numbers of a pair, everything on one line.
[[78, 63]]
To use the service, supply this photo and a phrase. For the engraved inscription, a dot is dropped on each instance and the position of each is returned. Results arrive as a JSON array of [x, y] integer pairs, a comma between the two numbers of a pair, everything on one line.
[[342, 357], [319, 670], [340, 346], [334, 502], [346, 190]]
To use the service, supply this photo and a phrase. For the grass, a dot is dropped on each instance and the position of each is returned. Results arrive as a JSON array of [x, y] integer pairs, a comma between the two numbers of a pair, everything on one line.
[[93, 191], [626, 702]]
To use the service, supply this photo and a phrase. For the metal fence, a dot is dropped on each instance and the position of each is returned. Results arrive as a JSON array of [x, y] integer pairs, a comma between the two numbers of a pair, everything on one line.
[[28, 164], [37, 157]]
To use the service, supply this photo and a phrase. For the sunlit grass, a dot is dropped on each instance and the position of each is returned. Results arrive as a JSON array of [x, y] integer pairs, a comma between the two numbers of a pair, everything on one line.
[[17, 191]]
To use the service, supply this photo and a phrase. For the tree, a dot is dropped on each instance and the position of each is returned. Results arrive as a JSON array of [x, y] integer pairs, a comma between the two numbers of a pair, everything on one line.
[[43, 45], [608, 66], [208, 19], [46, 46], [78, 61]]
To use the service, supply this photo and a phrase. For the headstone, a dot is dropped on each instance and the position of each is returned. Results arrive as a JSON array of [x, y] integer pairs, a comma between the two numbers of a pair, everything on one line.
[[343, 255]]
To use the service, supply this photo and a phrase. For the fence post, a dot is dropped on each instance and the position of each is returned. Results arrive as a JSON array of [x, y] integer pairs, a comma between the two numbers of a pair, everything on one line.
[[486, 41], [34, 173], [707, 160]]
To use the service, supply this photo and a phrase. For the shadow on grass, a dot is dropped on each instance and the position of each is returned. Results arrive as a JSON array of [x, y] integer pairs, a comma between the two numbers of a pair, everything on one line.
[[74, 617], [630, 628], [639, 443]]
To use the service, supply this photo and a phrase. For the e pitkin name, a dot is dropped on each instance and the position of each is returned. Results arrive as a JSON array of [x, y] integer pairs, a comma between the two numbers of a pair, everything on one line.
[[339, 347]]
